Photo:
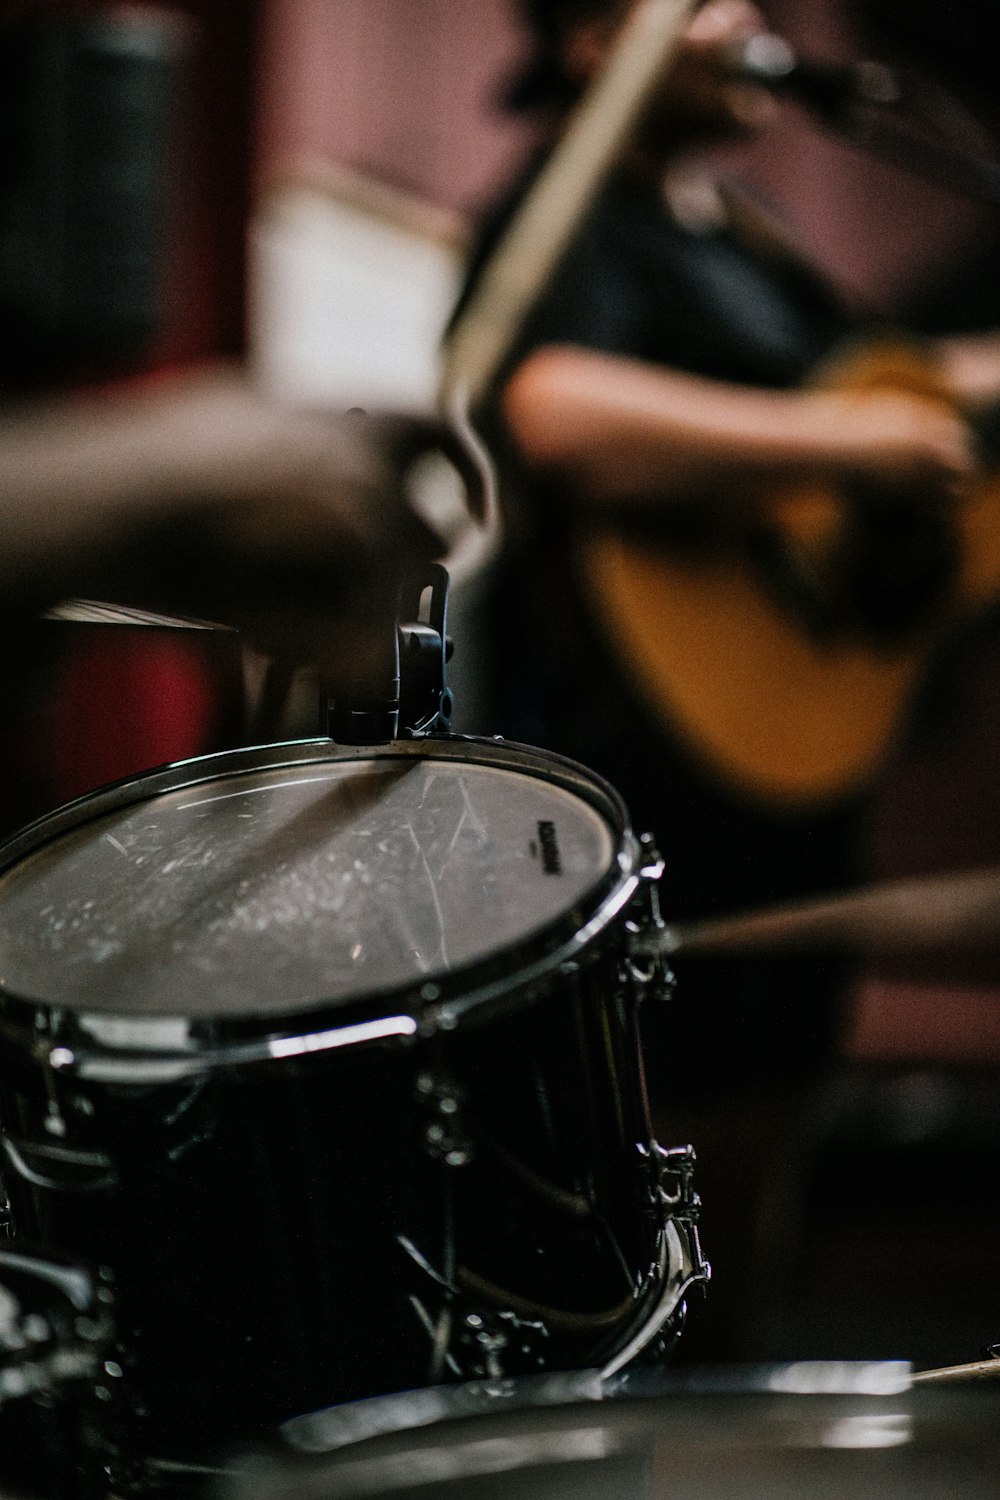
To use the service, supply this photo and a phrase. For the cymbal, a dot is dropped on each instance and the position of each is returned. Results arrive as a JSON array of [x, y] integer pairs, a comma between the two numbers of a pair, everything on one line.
[[957, 913], [741, 1442]]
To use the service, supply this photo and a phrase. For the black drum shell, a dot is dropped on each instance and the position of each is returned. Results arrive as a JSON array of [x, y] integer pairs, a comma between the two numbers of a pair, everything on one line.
[[288, 1234]]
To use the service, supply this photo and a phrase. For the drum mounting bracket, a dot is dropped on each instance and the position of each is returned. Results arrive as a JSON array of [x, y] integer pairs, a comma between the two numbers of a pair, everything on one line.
[[408, 695]]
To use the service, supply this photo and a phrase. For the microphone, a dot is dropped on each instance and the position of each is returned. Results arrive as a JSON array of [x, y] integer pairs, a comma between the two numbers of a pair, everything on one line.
[[828, 87], [896, 113]]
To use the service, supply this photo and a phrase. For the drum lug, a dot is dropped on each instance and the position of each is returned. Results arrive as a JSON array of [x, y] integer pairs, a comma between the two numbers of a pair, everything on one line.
[[654, 866], [674, 1167], [675, 1177], [488, 1342], [645, 968], [445, 1137]]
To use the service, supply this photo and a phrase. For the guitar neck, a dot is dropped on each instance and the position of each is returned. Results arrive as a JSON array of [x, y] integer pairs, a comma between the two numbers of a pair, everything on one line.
[[519, 269]]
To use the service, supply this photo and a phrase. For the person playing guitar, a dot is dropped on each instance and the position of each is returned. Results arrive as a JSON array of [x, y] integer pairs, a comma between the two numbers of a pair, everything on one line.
[[728, 548]]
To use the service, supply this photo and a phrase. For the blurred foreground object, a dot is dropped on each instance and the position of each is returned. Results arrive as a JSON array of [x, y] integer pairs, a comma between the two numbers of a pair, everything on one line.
[[205, 498], [783, 1431], [956, 912]]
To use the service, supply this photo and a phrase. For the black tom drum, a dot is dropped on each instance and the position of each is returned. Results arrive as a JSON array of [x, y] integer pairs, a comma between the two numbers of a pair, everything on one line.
[[331, 1056]]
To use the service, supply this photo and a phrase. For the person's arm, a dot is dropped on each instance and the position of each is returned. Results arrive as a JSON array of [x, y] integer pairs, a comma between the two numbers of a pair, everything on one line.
[[201, 497], [618, 429]]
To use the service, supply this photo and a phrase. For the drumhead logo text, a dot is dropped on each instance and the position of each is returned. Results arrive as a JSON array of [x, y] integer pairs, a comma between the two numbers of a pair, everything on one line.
[[549, 844]]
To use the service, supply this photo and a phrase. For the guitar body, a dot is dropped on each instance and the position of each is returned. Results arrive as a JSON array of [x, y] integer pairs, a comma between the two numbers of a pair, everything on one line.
[[783, 713]]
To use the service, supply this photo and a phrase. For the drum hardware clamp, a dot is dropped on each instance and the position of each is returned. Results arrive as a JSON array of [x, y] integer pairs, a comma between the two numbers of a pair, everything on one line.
[[682, 1267], [675, 1186], [675, 1177], [409, 698], [647, 966], [445, 1137]]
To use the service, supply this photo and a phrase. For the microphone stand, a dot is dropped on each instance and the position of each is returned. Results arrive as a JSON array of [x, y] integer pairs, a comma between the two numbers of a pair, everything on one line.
[[891, 112], [872, 126]]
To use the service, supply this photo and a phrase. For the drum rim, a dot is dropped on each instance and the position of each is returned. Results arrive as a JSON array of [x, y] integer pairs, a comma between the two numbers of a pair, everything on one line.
[[176, 775], [435, 1001]]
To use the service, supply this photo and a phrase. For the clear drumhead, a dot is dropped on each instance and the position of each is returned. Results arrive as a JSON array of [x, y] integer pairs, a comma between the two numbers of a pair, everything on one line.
[[277, 887]]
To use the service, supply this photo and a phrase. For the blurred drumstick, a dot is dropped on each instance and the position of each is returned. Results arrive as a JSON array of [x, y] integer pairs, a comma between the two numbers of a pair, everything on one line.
[[980, 1369], [518, 269], [954, 913], [529, 250]]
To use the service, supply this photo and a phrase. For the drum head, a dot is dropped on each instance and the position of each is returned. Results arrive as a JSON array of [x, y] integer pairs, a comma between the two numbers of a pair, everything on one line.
[[285, 882]]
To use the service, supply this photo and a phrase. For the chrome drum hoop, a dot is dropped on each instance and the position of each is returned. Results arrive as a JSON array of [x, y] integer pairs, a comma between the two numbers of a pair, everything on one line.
[[103, 1043]]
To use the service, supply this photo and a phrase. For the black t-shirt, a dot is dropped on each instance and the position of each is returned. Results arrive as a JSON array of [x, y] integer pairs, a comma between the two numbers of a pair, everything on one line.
[[637, 283], [634, 282]]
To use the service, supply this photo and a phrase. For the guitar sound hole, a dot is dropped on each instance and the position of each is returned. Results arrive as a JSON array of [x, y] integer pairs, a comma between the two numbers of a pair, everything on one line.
[[899, 562]]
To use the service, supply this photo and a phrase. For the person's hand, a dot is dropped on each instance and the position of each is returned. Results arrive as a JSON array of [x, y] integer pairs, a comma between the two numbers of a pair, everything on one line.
[[205, 498], [970, 367], [899, 440], [295, 527], [701, 87]]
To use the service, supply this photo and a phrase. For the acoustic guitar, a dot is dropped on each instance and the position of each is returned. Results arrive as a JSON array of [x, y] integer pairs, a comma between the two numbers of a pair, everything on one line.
[[788, 653]]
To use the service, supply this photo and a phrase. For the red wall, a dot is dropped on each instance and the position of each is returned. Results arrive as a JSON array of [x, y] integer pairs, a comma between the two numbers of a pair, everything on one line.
[[406, 89]]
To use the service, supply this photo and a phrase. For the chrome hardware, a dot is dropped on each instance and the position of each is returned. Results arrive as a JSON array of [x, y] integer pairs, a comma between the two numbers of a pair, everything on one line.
[[681, 1268], [674, 1166], [654, 866], [487, 1342], [59, 1168], [646, 967], [444, 1134], [136, 1060], [682, 1265], [53, 1332], [675, 1173]]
